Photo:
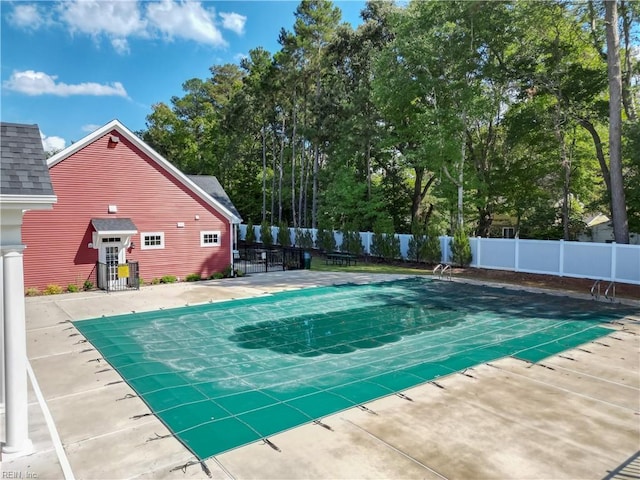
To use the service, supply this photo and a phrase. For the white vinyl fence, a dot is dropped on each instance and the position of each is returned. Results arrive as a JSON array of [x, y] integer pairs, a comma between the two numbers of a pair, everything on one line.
[[599, 261]]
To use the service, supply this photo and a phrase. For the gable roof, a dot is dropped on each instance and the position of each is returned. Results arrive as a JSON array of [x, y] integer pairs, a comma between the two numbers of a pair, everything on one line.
[[211, 185], [230, 214], [23, 167], [113, 225]]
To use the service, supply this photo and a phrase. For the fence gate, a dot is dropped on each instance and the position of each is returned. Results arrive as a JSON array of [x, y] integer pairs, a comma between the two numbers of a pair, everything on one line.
[[260, 259]]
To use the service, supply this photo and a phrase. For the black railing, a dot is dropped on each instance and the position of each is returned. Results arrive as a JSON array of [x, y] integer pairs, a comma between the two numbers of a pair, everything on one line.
[[257, 258], [115, 277]]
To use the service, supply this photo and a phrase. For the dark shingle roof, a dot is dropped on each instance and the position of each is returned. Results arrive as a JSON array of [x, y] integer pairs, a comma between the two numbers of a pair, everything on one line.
[[23, 166], [211, 185], [113, 225]]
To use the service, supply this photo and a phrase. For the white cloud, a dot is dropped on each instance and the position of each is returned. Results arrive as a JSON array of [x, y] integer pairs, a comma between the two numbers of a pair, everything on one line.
[[26, 16], [185, 19], [52, 144], [90, 128], [120, 45], [34, 83], [234, 22], [118, 21], [97, 17]]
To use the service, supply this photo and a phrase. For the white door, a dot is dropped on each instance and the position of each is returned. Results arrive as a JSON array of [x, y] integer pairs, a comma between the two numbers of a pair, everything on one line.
[[112, 254]]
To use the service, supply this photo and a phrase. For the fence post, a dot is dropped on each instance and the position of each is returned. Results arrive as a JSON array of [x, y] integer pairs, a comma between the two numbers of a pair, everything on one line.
[[478, 252], [561, 266], [516, 264], [613, 261]]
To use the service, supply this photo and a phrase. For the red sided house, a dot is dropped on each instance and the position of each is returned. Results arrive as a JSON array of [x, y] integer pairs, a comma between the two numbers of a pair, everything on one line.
[[124, 211]]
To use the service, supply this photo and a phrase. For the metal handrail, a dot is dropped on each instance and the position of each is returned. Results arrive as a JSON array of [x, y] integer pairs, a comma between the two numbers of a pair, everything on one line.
[[442, 268], [593, 289], [606, 292]]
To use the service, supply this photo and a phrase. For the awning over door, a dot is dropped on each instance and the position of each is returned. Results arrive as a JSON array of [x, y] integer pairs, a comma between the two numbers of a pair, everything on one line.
[[114, 226]]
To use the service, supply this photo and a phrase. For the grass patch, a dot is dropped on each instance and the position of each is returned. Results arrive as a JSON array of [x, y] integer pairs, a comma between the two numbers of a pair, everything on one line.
[[318, 264]]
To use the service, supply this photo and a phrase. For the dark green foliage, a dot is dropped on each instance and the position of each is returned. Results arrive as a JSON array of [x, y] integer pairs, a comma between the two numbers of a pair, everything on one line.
[[266, 237], [193, 277], [72, 288], [304, 238], [216, 276], [417, 243], [351, 242], [284, 236], [432, 249], [226, 271], [168, 279], [326, 241], [461, 248], [250, 236], [385, 243], [88, 285]]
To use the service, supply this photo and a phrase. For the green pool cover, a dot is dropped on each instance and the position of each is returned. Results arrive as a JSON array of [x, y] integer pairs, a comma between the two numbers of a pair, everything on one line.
[[226, 374]]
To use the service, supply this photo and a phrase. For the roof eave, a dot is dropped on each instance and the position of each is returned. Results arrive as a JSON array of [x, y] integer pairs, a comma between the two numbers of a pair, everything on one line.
[[28, 202]]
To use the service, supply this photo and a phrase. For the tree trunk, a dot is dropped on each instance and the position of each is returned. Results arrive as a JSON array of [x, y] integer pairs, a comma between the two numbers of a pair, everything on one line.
[[314, 199], [280, 172], [293, 164], [597, 142], [264, 175], [618, 203], [627, 95]]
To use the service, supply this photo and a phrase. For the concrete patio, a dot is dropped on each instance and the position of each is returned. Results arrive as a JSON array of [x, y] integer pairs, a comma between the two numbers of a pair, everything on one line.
[[575, 415]]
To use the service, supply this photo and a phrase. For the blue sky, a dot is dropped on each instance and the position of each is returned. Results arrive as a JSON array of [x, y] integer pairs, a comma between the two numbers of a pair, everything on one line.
[[72, 66]]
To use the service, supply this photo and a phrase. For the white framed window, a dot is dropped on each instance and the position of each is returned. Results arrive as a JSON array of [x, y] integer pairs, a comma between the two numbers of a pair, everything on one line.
[[210, 239], [508, 232], [151, 240]]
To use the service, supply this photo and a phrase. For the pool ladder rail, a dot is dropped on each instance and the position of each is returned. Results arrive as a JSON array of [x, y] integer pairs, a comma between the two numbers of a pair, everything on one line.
[[595, 290], [442, 270]]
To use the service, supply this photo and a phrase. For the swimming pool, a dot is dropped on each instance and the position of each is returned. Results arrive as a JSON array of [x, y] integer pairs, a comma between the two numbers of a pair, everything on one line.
[[225, 374]]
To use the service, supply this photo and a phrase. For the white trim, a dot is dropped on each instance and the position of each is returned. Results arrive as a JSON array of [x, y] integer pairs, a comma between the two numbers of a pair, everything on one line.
[[159, 159], [51, 425], [28, 202], [210, 232], [151, 234], [115, 233]]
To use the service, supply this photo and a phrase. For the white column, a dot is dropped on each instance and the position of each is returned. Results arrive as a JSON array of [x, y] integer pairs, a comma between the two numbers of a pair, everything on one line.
[[15, 353], [1, 339]]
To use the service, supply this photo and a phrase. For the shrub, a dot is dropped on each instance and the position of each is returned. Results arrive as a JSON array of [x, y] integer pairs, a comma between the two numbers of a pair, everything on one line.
[[168, 279], [432, 249], [304, 238], [216, 276], [250, 236], [265, 234], [461, 248], [72, 287], [284, 236], [155, 281], [385, 244], [193, 277], [53, 289], [417, 243], [226, 271], [32, 292], [141, 281], [326, 240], [88, 285], [352, 242]]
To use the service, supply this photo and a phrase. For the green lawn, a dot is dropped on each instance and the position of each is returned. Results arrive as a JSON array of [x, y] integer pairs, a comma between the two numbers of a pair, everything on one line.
[[318, 264]]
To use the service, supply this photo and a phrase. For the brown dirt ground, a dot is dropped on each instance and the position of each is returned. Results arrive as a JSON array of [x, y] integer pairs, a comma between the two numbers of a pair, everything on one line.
[[580, 285]]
